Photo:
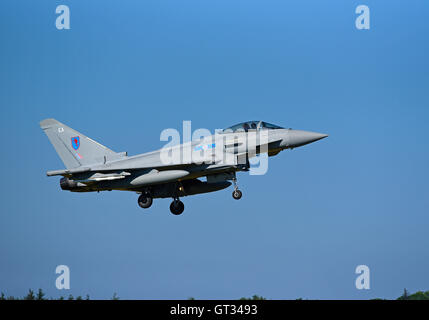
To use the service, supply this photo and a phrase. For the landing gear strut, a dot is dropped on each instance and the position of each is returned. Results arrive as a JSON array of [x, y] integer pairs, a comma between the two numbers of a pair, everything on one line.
[[145, 200], [177, 207], [236, 194]]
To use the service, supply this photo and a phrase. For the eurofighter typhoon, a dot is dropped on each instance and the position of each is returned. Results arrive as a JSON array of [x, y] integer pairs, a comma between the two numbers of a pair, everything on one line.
[[173, 171]]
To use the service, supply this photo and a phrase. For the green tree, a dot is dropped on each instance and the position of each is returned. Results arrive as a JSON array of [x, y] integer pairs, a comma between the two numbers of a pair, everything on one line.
[[30, 295], [404, 295], [254, 297], [419, 295], [40, 295]]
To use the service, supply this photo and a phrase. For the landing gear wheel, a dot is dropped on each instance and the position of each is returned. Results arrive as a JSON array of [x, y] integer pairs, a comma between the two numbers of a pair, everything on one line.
[[145, 201], [177, 207], [236, 194]]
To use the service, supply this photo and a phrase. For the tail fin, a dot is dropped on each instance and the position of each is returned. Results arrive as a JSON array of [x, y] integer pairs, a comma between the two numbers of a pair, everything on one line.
[[74, 148]]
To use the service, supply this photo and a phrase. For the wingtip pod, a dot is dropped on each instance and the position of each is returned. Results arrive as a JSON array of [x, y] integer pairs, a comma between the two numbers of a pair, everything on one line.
[[67, 171]]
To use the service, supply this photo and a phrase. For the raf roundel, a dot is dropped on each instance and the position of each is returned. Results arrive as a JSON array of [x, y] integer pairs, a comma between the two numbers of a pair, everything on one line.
[[75, 141]]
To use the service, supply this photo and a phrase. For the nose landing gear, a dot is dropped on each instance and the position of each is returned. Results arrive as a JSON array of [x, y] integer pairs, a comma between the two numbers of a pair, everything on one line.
[[236, 194]]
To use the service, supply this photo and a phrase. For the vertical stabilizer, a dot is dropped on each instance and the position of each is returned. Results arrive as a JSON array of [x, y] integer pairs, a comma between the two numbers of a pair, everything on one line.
[[74, 148]]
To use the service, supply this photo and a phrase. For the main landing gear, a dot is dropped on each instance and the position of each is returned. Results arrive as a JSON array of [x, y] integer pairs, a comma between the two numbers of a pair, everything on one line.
[[236, 194], [145, 200], [177, 207]]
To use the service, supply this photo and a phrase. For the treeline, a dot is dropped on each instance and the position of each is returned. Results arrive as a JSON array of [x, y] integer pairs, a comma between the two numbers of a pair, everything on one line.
[[419, 295], [40, 295]]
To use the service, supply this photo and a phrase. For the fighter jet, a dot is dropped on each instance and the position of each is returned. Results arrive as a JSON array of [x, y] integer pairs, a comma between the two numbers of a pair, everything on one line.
[[173, 171]]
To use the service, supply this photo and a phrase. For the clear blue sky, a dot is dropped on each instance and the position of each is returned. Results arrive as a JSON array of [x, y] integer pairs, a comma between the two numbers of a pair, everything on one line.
[[126, 71]]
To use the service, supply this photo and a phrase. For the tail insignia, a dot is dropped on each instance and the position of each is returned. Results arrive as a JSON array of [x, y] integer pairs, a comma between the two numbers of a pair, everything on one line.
[[75, 142]]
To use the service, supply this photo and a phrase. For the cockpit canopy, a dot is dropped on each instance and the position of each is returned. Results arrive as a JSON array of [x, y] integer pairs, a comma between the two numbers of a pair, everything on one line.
[[251, 125]]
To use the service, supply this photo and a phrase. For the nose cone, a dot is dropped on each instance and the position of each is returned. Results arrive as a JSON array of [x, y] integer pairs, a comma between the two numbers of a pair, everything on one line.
[[298, 138]]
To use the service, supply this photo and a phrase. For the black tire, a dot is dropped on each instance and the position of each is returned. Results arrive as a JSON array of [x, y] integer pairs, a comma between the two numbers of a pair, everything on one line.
[[145, 201], [177, 207], [236, 194]]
